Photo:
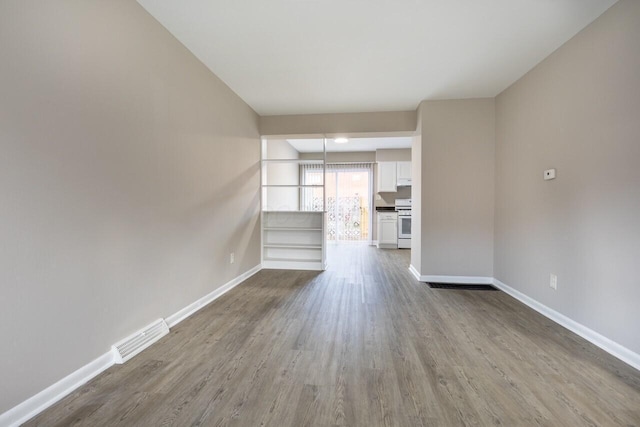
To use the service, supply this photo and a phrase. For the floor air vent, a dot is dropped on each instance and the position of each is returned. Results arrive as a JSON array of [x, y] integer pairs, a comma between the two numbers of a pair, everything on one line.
[[129, 347], [462, 287]]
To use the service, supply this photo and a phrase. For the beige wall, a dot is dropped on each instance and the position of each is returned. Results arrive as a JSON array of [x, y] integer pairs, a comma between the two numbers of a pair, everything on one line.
[[128, 173], [394, 155], [345, 124], [282, 199], [577, 111], [457, 187]]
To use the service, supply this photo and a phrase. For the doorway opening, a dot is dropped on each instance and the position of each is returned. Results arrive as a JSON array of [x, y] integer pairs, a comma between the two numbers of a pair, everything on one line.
[[349, 189]]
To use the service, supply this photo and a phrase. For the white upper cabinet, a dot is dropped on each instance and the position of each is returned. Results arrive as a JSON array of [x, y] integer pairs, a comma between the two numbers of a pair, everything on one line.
[[403, 174], [387, 177]]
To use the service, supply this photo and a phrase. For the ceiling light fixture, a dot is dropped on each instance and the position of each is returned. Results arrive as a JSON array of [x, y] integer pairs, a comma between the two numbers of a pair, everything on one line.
[[341, 140]]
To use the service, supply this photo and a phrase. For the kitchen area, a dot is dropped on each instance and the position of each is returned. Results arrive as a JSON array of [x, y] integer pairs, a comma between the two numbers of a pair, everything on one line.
[[393, 199], [320, 194]]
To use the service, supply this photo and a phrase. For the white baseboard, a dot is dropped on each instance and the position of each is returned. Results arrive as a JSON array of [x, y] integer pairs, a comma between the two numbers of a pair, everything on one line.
[[386, 245], [187, 311], [374, 243], [608, 345], [611, 347], [47, 397], [415, 272], [458, 280], [52, 394]]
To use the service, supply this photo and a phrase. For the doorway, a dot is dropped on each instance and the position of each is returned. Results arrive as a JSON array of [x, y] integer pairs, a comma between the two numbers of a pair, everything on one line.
[[348, 188]]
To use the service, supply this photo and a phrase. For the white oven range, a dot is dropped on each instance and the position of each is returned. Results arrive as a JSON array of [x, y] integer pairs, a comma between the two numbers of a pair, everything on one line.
[[403, 207]]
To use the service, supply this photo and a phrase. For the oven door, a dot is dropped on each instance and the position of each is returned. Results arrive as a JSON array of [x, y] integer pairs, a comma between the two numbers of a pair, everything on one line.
[[404, 227]]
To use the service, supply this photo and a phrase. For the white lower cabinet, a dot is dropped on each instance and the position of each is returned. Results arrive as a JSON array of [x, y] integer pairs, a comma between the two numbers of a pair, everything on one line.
[[388, 230]]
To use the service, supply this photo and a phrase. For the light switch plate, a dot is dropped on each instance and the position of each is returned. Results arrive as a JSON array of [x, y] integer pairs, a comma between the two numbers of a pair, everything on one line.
[[549, 174]]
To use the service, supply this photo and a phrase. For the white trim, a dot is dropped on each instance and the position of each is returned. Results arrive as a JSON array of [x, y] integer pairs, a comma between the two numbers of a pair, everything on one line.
[[414, 271], [187, 311], [374, 243], [387, 245], [458, 280], [52, 394], [629, 357], [590, 335]]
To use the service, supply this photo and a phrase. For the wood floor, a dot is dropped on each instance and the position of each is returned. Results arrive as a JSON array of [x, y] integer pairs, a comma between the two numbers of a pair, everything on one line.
[[363, 344]]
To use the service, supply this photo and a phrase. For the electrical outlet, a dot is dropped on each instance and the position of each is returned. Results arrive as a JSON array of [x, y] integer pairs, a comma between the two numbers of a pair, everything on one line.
[[232, 258], [553, 281]]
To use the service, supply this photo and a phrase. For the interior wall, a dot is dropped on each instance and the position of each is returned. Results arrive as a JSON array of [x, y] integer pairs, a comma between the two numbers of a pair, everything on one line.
[[457, 187], [346, 123], [282, 199], [577, 111], [393, 155], [128, 174]]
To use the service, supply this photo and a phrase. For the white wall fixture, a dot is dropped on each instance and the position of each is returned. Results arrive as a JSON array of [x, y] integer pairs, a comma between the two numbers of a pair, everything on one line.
[[134, 344], [549, 174]]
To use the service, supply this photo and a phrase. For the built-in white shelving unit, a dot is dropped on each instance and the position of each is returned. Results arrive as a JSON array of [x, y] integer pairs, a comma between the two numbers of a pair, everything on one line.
[[293, 231]]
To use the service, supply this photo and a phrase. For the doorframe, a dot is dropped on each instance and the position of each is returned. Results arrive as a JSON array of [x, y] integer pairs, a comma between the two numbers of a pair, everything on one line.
[[370, 202]]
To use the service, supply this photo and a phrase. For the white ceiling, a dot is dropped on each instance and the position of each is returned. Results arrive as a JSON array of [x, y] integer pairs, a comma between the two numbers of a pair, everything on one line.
[[330, 56], [354, 144]]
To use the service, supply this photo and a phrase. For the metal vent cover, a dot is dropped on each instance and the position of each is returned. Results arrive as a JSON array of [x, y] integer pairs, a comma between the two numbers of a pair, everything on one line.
[[134, 344]]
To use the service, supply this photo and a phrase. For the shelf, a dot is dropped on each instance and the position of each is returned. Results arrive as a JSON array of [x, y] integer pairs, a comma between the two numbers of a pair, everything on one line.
[[292, 260], [294, 245], [292, 186], [315, 265], [291, 239], [299, 161], [296, 212], [292, 229]]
